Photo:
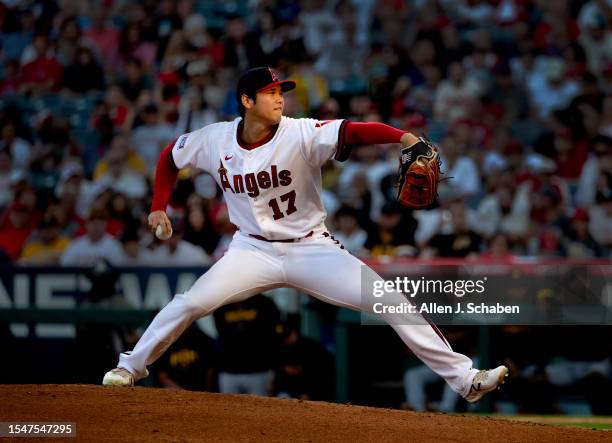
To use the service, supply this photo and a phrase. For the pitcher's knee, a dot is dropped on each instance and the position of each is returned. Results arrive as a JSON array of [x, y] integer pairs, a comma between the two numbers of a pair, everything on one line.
[[190, 306]]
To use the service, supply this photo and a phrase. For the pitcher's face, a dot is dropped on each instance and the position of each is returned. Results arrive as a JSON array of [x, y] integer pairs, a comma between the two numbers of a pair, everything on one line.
[[269, 105]]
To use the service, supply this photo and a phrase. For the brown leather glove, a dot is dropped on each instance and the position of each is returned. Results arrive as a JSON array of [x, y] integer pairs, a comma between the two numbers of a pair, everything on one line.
[[419, 174]]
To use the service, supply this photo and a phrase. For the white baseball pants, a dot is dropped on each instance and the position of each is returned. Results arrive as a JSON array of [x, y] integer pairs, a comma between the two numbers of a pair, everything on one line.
[[315, 265]]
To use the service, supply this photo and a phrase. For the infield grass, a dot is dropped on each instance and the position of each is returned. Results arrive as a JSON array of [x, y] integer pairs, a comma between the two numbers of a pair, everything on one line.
[[591, 422]]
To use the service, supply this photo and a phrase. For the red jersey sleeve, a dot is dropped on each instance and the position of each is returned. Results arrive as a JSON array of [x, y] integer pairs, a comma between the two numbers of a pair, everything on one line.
[[165, 178]]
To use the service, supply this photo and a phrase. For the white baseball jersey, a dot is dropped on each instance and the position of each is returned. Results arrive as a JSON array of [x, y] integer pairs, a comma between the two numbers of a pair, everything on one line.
[[273, 190]]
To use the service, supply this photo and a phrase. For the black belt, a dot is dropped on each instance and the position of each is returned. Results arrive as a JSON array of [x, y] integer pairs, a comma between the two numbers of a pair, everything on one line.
[[286, 240]]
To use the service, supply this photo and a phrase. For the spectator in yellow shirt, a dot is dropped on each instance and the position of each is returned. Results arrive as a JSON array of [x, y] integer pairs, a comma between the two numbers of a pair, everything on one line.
[[46, 244], [134, 160]]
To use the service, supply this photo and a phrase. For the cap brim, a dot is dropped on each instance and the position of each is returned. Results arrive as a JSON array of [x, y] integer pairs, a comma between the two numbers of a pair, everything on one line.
[[286, 85]]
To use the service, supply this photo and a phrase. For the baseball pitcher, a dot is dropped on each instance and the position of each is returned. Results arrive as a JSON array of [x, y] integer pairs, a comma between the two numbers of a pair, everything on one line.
[[269, 168]]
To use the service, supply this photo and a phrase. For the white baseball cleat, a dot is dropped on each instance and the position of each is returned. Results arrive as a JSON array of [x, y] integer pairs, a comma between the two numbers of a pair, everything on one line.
[[486, 381], [118, 377]]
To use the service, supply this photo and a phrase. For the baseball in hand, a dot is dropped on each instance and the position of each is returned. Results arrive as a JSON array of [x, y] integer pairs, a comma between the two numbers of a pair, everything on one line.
[[159, 233]]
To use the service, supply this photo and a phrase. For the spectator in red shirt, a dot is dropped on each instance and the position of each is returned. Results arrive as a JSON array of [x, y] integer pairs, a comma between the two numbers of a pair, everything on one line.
[[570, 155], [15, 228], [44, 73]]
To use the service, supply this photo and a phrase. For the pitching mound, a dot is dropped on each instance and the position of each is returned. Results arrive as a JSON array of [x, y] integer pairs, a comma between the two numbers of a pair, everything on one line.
[[145, 414]]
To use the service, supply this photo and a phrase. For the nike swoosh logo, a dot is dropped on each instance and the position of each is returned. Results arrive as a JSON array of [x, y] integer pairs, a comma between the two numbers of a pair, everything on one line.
[[229, 157]]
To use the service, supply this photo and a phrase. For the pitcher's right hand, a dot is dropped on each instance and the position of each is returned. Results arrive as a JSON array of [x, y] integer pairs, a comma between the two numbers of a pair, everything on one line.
[[159, 218]]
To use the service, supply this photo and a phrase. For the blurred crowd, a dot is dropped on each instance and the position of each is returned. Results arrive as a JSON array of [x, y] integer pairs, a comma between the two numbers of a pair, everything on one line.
[[518, 93]]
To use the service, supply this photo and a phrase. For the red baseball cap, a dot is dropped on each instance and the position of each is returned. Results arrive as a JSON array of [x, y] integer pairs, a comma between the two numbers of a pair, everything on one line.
[[258, 79]]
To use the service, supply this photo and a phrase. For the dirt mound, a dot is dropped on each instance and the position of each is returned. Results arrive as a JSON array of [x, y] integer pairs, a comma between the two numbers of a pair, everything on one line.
[[145, 414]]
